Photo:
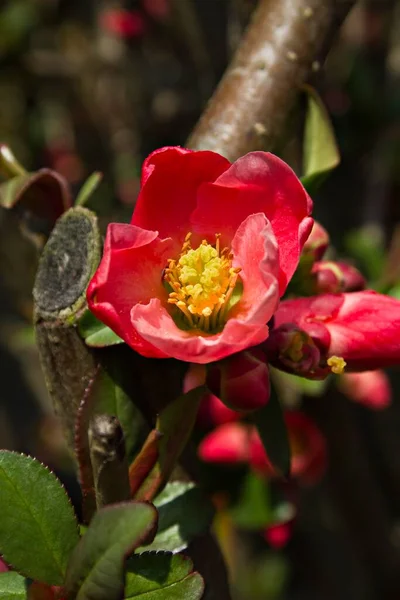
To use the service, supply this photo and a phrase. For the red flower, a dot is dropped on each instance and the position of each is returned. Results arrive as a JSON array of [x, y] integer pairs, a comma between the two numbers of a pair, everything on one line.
[[210, 249], [360, 327], [371, 388], [122, 23], [234, 443]]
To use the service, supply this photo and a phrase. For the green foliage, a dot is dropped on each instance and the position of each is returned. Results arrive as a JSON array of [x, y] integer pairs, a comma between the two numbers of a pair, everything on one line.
[[253, 510], [175, 424], [95, 333], [96, 568], [30, 495], [272, 430], [162, 576], [184, 512], [320, 151], [13, 586], [366, 246], [89, 187]]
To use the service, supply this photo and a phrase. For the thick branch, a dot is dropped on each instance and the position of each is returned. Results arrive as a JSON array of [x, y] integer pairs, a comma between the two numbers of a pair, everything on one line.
[[279, 51], [68, 261]]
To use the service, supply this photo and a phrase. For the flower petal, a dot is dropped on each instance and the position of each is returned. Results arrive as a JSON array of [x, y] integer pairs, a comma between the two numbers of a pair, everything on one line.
[[170, 179], [129, 273], [258, 182]]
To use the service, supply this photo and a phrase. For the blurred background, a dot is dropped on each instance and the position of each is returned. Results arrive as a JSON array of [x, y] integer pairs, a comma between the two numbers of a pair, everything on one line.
[[96, 86]]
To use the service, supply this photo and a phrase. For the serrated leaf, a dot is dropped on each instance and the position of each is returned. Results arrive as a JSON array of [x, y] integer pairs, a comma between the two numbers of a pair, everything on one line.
[[96, 568], [13, 586], [88, 188], [272, 431], [31, 495], [95, 333], [320, 151], [162, 576], [183, 513]]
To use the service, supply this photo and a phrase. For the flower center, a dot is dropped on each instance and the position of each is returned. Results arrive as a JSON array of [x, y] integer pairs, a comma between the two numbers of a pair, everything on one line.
[[202, 282]]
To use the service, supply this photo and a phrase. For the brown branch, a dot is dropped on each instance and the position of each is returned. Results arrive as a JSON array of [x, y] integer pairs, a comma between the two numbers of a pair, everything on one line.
[[280, 49]]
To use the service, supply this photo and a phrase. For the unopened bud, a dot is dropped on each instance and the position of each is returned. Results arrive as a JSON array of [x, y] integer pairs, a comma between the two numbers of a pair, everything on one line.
[[292, 349], [335, 277], [317, 242], [241, 381]]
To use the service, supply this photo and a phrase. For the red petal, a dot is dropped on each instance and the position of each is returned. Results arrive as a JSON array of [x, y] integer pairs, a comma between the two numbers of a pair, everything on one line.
[[130, 272], [258, 182], [171, 177]]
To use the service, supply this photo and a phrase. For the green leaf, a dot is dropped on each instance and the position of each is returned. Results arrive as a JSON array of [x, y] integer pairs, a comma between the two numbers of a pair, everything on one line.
[[254, 510], [88, 188], [13, 586], [184, 513], [9, 165], [162, 576], [30, 495], [272, 431], [320, 151], [95, 333], [96, 568], [175, 424]]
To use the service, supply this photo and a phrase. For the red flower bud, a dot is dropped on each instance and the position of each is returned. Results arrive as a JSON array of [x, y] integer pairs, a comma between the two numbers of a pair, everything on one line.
[[371, 388], [279, 534], [241, 381], [229, 444], [122, 23], [363, 328], [317, 242], [240, 443], [333, 277], [212, 411]]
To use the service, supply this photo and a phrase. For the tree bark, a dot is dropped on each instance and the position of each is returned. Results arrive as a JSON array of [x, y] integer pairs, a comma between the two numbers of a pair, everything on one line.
[[281, 48]]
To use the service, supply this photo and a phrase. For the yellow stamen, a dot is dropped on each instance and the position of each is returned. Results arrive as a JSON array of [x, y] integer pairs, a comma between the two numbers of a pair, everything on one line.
[[202, 281], [337, 364]]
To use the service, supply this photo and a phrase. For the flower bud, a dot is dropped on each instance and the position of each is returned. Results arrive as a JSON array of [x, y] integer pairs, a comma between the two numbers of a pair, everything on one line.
[[334, 277], [278, 535], [317, 242], [291, 349], [362, 328], [227, 444], [241, 381], [371, 388]]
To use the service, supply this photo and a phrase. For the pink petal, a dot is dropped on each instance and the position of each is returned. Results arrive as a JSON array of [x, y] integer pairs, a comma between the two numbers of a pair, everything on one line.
[[258, 182], [130, 272], [171, 177]]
